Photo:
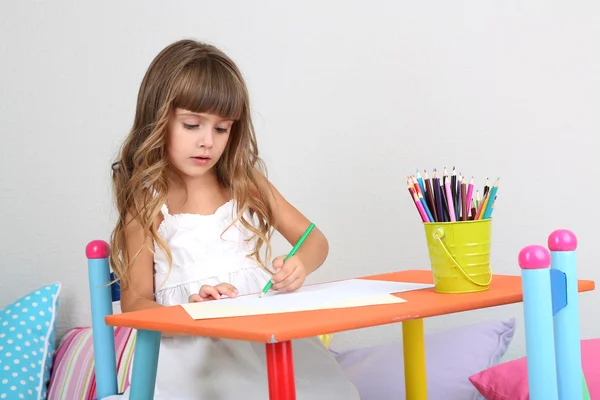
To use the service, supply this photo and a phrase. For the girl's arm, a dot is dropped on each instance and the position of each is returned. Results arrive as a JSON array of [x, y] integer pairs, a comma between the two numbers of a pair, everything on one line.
[[291, 224], [139, 294]]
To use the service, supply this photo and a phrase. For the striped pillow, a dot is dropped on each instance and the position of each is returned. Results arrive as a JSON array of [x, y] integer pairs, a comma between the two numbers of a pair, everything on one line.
[[73, 376]]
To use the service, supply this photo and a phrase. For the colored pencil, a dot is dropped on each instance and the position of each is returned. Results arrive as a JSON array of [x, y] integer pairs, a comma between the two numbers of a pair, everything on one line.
[[427, 193], [485, 204], [431, 197], [450, 200], [411, 190], [453, 187], [492, 208], [421, 209], [457, 206], [465, 205], [488, 210], [438, 197], [293, 252], [482, 206], [444, 201], [431, 184], [420, 181], [424, 203], [446, 209], [486, 188], [478, 199], [415, 184], [470, 193], [445, 176]]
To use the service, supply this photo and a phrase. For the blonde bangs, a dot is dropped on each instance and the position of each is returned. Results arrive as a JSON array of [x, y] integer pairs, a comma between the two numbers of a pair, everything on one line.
[[209, 86]]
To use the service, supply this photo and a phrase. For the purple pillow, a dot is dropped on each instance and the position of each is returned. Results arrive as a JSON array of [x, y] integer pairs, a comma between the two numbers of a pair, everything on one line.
[[452, 357]]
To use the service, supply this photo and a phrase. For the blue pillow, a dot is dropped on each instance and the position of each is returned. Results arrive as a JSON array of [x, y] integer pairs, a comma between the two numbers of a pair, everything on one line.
[[27, 332]]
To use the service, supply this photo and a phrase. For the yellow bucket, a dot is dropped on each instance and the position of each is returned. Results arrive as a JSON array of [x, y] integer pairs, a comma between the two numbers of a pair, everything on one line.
[[460, 255]]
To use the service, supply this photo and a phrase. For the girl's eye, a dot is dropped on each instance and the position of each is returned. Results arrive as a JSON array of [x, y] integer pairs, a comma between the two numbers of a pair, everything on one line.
[[221, 130], [190, 126]]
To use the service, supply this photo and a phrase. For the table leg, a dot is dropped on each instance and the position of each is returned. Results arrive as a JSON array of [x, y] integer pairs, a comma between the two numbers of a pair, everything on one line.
[[415, 378], [280, 367], [145, 364]]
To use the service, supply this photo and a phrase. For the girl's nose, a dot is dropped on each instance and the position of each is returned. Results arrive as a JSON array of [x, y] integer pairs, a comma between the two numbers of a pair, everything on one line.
[[206, 140]]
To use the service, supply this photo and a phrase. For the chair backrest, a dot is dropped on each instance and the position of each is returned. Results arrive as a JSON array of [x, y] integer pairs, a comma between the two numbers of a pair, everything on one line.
[[102, 295], [551, 310]]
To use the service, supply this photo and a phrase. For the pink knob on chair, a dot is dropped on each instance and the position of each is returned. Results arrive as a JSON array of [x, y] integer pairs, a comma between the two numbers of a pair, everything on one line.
[[96, 249], [534, 257], [562, 240]]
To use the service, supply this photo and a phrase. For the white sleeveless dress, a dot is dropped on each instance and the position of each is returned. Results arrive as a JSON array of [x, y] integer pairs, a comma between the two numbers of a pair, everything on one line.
[[200, 368]]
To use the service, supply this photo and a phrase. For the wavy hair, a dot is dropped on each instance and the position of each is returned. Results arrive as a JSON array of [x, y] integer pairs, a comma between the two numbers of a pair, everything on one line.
[[197, 77]]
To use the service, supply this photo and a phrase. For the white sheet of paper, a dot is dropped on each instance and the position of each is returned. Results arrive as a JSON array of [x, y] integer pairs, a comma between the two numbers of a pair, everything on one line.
[[364, 301], [212, 310], [347, 293]]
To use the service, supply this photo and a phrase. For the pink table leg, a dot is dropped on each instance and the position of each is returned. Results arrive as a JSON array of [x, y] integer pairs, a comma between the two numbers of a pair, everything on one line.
[[280, 367]]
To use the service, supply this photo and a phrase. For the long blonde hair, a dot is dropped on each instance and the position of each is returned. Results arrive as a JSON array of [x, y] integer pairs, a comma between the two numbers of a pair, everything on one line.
[[197, 77]]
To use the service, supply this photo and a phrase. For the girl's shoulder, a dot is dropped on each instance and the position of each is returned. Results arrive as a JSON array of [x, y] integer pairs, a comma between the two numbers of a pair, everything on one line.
[[133, 223]]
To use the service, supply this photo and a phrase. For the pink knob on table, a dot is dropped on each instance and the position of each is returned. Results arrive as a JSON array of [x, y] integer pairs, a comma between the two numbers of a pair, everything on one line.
[[534, 257], [562, 240], [96, 249]]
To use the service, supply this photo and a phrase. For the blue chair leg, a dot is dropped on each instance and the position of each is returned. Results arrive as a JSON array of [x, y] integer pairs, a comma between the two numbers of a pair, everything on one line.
[[103, 335], [145, 364]]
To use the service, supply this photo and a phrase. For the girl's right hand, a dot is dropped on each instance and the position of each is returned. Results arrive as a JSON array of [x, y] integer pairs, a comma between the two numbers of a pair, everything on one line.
[[208, 292]]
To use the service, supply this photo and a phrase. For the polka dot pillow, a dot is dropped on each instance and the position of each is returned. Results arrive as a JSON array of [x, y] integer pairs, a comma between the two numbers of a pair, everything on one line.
[[27, 330]]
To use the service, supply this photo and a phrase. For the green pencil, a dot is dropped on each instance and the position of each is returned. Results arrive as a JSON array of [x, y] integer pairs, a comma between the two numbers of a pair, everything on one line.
[[294, 250]]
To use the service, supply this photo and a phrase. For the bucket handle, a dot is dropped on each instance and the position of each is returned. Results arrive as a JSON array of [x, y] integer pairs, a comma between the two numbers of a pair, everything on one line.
[[438, 234]]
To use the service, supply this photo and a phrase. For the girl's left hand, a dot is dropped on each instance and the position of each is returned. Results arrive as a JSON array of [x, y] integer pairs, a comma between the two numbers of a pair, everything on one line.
[[290, 275]]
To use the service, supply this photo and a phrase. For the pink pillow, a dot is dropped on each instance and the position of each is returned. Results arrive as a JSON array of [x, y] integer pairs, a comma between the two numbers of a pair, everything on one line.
[[508, 381]]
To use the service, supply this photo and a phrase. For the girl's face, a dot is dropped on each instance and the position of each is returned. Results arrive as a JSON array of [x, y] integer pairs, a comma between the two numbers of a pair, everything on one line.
[[196, 141]]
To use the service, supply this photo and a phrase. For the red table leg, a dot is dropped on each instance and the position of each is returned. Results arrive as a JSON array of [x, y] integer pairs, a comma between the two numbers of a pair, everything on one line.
[[280, 367]]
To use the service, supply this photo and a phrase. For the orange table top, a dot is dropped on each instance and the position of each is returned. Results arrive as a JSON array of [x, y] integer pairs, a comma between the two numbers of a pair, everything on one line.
[[504, 289]]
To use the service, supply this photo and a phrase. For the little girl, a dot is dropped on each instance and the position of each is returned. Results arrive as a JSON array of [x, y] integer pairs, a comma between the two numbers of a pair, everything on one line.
[[195, 211]]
